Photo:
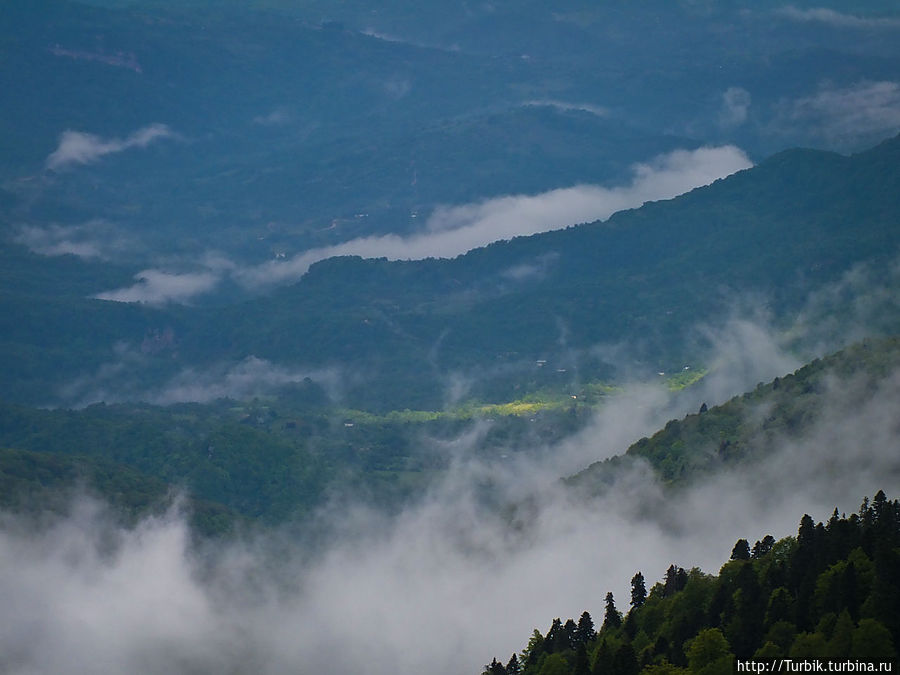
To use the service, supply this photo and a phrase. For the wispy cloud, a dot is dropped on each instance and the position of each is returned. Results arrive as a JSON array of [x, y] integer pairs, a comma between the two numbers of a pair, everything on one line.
[[156, 287], [77, 147], [125, 378], [278, 117], [454, 230], [241, 381], [832, 18], [597, 110], [735, 106], [449, 570], [180, 285], [845, 115], [94, 239]]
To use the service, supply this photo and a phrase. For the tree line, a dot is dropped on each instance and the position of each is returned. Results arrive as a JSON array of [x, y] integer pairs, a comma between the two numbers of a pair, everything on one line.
[[832, 591]]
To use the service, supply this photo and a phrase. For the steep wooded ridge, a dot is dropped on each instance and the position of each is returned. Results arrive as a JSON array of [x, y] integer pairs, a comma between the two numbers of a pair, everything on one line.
[[647, 276], [397, 330], [831, 592], [752, 425], [273, 462]]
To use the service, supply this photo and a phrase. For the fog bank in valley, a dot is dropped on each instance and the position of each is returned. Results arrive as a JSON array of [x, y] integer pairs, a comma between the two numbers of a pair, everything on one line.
[[448, 583]]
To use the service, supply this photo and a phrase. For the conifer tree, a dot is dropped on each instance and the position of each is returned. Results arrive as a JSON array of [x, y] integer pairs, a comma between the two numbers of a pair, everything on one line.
[[585, 631], [625, 661], [630, 625], [582, 663], [848, 596], [552, 639], [763, 547], [804, 571], [611, 618], [741, 550], [568, 636], [676, 580], [744, 626], [638, 590], [603, 659], [780, 607], [534, 649]]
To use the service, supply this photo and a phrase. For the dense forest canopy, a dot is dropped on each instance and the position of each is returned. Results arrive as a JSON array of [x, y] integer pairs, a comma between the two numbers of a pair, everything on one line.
[[831, 592]]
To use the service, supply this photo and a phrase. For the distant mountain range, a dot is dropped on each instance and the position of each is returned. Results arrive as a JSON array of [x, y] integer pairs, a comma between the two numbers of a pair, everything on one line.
[[278, 122], [394, 333]]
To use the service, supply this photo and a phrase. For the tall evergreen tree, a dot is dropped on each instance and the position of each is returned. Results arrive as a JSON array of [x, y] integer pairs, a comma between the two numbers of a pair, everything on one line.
[[804, 571], [611, 618], [535, 648], [638, 590], [848, 594], [553, 637], [741, 550], [603, 659], [585, 631], [582, 663], [676, 580], [625, 661], [763, 547], [780, 607], [568, 636], [744, 626]]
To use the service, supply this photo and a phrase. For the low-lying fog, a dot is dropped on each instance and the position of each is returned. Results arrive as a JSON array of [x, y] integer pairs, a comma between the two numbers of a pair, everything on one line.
[[447, 584]]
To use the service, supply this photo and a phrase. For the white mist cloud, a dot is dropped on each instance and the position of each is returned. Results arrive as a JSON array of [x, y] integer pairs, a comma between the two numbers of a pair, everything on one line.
[[442, 587], [136, 608], [735, 104], [845, 115], [864, 302], [397, 87], [454, 230], [597, 110], [94, 239], [244, 380], [77, 147], [838, 19], [156, 287], [124, 378], [746, 350], [278, 117]]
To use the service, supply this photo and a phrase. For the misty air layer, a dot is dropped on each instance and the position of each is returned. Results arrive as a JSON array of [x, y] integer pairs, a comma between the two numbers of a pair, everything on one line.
[[508, 338]]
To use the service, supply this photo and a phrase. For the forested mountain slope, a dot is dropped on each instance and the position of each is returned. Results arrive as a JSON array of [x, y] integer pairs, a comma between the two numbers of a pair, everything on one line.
[[749, 427], [272, 462], [648, 276], [395, 331], [831, 592]]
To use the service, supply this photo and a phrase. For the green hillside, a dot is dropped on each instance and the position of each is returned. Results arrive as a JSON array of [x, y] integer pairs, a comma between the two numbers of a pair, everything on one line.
[[273, 460], [270, 461], [396, 331], [748, 427], [647, 277], [35, 483], [831, 592]]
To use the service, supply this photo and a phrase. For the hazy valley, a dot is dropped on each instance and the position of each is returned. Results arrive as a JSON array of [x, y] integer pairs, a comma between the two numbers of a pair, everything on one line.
[[341, 338]]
